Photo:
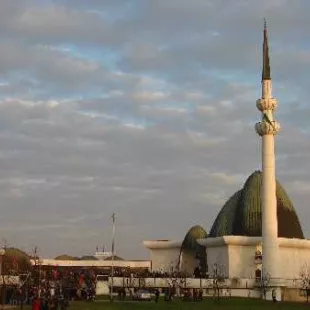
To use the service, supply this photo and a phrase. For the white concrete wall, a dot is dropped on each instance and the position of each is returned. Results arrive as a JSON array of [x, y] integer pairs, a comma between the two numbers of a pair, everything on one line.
[[94, 263], [237, 253], [10, 280], [164, 259], [188, 262], [234, 256], [102, 288], [292, 261], [241, 261], [164, 254], [245, 287], [218, 255]]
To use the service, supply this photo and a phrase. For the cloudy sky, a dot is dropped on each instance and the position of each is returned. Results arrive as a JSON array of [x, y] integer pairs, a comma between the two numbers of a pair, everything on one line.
[[144, 108]]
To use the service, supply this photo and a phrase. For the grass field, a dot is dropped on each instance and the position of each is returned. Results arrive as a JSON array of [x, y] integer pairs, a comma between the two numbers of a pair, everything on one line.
[[207, 304]]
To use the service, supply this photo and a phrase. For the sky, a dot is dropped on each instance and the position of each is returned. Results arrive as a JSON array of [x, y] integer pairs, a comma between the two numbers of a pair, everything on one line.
[[145, 108]]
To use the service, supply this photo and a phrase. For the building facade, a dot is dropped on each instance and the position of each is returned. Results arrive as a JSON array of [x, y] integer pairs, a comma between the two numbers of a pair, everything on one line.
[[257, 234]]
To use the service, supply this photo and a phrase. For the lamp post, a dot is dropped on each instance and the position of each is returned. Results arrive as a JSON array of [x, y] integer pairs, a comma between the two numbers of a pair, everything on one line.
[[2, 252], [39, 286], [38, 262], [113, 254]]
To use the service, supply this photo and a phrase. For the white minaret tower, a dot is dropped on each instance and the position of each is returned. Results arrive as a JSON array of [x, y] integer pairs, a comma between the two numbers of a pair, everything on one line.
[[267, 129]]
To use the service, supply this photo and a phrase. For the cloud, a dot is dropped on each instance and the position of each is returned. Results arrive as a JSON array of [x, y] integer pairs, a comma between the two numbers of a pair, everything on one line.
[[145, 109]]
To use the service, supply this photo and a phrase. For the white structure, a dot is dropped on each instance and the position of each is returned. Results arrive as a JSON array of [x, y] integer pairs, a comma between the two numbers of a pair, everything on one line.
[[135, 264], [257, 236], [267, 129], [102, 255], [185, 256], [236, 256], [164, 254]]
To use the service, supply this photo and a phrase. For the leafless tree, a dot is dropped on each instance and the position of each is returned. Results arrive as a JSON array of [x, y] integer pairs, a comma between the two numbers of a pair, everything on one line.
[[305, 280], [264, 284], [235, 282], [176, 281], [9, 275], [218, 280]]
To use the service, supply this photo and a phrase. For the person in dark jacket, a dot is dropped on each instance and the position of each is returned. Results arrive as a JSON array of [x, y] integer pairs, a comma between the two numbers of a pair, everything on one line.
[[156, 295]]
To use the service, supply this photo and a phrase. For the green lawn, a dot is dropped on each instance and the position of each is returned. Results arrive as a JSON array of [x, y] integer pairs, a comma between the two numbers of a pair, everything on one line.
[[208, 304]]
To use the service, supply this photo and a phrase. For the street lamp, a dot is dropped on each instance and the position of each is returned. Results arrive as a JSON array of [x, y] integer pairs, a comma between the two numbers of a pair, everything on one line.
[[113, 254], [40, 261], [2, 252]]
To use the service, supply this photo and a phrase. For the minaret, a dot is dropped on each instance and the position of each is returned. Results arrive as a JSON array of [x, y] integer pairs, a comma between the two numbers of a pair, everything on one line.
[[267, 129]]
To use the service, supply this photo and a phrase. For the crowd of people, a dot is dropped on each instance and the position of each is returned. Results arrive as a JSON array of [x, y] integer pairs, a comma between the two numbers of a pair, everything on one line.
[[158, 274], [54, 288], [61, 303], [43, 297]]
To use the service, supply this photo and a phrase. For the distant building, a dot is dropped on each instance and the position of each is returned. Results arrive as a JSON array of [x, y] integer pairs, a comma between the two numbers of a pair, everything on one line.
[[102, 255], [102, 266]]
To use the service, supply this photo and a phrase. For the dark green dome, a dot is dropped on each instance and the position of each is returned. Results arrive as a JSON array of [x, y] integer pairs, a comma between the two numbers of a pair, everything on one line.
[[191, 246], [190, 240], [242, 213]]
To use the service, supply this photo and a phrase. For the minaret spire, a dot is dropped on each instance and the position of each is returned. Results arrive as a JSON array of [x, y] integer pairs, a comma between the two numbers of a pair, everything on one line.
[[266, 63], [267, 128]]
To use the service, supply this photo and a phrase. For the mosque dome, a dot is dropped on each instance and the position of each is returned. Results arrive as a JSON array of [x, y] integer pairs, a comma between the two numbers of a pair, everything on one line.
[[190, 241], [242, 213], [191, 247]]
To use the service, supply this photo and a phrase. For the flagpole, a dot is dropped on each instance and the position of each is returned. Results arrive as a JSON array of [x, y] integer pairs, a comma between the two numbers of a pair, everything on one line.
[[113, 254]]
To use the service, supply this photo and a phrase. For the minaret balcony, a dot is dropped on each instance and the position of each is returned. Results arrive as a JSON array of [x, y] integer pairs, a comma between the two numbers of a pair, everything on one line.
[[258, 258], [264, 104], [265, 128]]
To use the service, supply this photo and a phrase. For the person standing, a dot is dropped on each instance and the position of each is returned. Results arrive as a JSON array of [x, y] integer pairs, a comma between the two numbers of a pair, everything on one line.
[[274, 297], [36, 305], [156, 295], [45, 305]]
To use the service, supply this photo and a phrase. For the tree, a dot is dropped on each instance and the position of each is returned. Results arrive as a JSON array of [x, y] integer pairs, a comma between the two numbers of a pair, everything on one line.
[[14, 263], [24, 283], [305, 280], [36, 271], [218, 280], [176, 282], [264, 284]]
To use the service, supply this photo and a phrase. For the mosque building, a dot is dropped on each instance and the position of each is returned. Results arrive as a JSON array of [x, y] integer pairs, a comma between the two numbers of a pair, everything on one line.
[[257, 233]]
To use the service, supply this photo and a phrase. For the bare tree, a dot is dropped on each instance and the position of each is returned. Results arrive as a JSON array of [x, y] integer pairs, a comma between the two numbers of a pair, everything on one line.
[[36, 270], [264, 284], [218, 280], [235, 282], [10, 272], [305, 280], [24, 282], [176, 281]]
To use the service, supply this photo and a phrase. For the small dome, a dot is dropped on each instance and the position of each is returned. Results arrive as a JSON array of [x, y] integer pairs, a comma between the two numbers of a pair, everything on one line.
[[242, 213], [190, 240], [192, 249]]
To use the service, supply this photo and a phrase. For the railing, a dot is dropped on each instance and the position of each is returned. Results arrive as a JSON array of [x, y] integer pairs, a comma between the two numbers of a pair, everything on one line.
[[134, 282]]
